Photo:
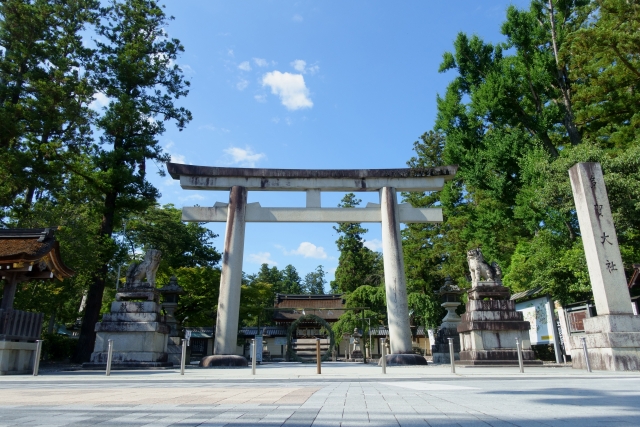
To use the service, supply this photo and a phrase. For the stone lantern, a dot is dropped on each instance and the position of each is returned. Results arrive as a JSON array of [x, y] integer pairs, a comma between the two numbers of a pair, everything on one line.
[[357, 351], [170, 296], [450, 296]]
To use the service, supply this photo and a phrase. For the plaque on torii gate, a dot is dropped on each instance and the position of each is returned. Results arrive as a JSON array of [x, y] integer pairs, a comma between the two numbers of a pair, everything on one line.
[[238, 181]]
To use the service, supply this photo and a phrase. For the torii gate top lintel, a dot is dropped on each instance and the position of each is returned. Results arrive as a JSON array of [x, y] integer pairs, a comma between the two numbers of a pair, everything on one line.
[[194, 177]]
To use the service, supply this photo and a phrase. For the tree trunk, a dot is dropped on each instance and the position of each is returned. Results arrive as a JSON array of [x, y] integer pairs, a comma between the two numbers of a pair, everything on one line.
[[87, 338]]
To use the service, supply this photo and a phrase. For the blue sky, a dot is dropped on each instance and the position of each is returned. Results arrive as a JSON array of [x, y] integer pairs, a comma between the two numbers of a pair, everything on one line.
[[304, 84]]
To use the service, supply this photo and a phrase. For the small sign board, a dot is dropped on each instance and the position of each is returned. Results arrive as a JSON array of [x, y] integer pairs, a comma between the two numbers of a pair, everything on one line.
[[432, 339], [538, 313], [187, 336], [258, 348], [280, 340]]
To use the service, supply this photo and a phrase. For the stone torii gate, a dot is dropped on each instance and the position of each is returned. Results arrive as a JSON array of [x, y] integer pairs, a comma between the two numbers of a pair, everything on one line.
[[237, 212]]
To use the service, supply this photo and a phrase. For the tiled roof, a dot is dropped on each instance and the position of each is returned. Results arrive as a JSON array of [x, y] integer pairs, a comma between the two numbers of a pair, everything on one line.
[[309, 301], [34, 250], [527, 293]]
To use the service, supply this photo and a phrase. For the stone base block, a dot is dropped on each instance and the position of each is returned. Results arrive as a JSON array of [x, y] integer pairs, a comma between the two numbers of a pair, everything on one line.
[[613, 343], [174, 350], [404, 360], [128, 365], [224, 361], [130, 317], [131, 342], [162, 328], [445, 357], [607, 359], [497, 357], [16, 357], [129, 357], [135, 307]]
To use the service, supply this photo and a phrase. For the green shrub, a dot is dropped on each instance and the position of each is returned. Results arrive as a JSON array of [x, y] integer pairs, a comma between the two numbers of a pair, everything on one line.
[[58, 347]]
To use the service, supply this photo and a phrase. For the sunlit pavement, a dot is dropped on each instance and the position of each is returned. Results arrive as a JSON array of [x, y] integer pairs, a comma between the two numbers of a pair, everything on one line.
[[344, 394]]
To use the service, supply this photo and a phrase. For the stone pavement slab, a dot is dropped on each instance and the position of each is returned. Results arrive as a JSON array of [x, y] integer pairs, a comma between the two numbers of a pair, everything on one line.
[[344, 395]]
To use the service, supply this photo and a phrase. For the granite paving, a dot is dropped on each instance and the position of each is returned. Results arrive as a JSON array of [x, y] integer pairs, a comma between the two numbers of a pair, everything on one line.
[[343, 395]]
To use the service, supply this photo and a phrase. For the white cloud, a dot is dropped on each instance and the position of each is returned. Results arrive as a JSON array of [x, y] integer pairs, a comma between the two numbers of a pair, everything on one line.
[[297, 18], [230, 52], [245, 66], [299, 65], [260, 62], [100, 100], [276, 120], [242, 84], [178, 158], [261, 98], [374, 244], [187, 69], [308, 250], [243, 157], [195, 196], [175, 157], [290, 88], [262, 258], [207, 127]]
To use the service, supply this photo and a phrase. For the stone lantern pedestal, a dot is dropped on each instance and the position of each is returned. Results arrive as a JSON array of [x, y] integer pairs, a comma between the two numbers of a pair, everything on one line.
[[170, 296], [490, 326], [450, 295]]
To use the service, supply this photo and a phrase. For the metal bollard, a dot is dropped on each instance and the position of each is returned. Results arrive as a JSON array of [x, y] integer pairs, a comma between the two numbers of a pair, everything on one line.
[[452, 356], [318, 357], [254, 354], [109, 356], [586, 353], [36, 362], [519, 348], [184, 356], [384, 357]]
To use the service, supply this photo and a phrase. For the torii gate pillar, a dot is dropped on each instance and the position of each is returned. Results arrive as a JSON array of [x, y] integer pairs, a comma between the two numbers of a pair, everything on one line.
[[394, 277], [231, 277]]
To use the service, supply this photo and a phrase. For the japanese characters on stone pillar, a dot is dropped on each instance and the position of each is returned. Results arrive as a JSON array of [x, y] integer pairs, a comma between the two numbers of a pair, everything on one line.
[[613, 336], [599, 239]]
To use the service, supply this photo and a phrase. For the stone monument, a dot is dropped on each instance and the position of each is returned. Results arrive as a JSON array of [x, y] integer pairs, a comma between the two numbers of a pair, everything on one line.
[[491, 324], [613, 336], [450, 295], [170, 296], [134, 324]]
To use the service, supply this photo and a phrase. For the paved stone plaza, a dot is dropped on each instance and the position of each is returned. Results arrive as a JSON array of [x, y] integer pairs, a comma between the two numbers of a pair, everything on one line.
[[344, 395]]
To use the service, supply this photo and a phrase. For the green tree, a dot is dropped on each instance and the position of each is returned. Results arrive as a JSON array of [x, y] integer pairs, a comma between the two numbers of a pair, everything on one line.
[[357, 265], [291, 281], [44, 96], [182, 244], [314, 282], [135, 69], [265, 274], [424, 245], [605, 57]]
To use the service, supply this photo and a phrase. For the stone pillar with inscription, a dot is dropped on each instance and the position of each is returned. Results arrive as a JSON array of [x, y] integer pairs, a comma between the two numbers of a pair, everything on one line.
[[613, 336]]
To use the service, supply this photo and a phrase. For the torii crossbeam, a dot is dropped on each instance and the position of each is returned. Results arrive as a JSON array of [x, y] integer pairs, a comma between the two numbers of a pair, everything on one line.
[[238, 181]]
